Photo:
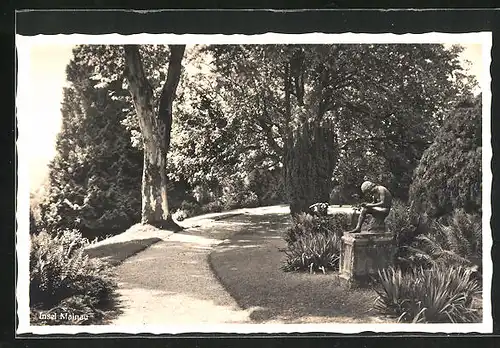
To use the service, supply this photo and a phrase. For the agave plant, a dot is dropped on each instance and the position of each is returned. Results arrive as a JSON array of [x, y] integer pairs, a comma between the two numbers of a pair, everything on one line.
[[436, 295]]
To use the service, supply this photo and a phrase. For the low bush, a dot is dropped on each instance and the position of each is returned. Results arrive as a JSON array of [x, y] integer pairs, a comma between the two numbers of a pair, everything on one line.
[[437, 295], [66, 286], [212, 207], [236, 193], [467, 231], [187, 209], [240, 199], [316, 252], [399, 221], [306, 224], [313, 243], [454, 240]]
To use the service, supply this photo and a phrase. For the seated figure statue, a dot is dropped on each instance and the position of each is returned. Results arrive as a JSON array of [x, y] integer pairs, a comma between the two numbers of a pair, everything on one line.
[[379, 209]]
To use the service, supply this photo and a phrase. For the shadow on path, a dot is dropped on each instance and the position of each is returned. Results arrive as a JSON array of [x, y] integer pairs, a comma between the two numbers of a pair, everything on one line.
[[116, 253], [170, 283], [249, 267]]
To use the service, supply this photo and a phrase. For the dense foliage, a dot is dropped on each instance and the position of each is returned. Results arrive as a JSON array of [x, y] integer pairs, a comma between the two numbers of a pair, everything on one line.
[[449, 174], [64, 281], [425, 242], [438, 268], [313, 243], [95, 177], [384, 101], [456, 240], [240, 114], [437, 295], [309, 163]]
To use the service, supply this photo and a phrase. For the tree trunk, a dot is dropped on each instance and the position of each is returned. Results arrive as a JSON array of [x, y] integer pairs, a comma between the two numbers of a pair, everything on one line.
[[154, 184], [155, 129]]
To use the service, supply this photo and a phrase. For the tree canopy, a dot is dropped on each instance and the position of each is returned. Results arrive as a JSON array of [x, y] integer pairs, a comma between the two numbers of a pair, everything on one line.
[[385, 101], [243, 111]]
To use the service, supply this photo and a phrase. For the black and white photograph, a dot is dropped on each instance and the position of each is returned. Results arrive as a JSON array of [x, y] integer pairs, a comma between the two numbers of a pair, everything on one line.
[[254, 183]]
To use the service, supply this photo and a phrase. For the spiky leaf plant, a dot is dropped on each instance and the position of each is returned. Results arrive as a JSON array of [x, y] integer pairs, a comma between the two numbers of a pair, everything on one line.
[[437, 295], [313, 243]]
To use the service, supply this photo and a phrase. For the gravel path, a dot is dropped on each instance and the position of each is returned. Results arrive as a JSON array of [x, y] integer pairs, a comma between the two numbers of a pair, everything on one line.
[[171, 283]]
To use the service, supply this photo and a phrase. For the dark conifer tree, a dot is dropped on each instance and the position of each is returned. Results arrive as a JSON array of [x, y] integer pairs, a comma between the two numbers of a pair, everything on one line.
[[310, 158], [96, 174]]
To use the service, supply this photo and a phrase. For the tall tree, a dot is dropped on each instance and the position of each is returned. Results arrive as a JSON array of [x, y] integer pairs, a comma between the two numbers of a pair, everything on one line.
[[384, 101], [155, 121], [94, 178], [309, 163]]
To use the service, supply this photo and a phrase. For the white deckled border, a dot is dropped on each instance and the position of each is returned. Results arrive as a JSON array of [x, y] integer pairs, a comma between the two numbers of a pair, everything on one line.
[[487, 155], [23, 194], [24, 43]]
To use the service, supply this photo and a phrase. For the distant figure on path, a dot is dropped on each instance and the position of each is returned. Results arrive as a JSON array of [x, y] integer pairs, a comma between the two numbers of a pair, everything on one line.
[[379, 209]]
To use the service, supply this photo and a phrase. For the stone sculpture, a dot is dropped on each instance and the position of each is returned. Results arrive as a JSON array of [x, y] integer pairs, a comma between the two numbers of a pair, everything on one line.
[[379, 208]]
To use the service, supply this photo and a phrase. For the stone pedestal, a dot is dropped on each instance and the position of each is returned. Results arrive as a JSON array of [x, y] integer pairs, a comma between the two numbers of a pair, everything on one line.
[[363, 254]]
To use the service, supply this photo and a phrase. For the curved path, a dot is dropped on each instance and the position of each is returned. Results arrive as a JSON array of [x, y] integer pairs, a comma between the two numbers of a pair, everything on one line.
[[172, 282]]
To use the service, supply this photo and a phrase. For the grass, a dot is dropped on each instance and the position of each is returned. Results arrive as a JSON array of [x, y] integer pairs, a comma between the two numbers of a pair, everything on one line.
[[248, 266]]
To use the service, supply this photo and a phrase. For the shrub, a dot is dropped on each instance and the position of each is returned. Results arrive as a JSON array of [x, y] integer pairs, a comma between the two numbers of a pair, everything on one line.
[[306, 224], [236, 195], [302, 224], [468, 228], [339, 223], [64, 280], [314, 242], [187, 209], [441, 294], [399, 221], [455, 240], [406, 232], [212, 207], [448, 176], [315, 252]]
